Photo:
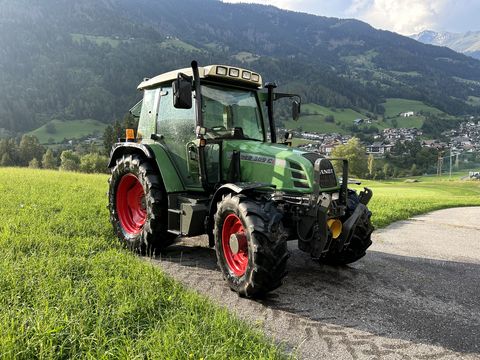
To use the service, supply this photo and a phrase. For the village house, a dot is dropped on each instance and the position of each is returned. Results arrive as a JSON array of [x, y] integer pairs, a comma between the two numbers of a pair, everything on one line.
[[378, 149]]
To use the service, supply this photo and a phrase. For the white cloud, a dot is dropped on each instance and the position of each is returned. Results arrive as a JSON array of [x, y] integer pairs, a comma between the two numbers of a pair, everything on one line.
[[402, 16]]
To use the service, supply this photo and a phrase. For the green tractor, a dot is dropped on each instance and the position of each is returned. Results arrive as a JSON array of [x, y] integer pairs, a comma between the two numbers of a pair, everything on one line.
[[205, 160]]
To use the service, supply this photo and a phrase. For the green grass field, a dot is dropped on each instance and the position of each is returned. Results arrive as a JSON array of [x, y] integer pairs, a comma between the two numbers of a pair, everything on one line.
[[175, 43], [68, 291], [393, 107], [74, 129], [313, 119], [398, 200], [99, 40]]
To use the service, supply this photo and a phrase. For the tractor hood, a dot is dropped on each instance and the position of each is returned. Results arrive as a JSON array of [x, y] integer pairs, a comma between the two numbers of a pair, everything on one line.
[[287, 168]]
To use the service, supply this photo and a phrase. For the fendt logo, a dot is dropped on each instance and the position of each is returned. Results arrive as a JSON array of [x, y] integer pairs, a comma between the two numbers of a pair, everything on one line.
[[326, 172]]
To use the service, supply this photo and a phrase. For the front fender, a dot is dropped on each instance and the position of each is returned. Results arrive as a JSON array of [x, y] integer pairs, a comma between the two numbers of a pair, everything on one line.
[[235, 188], [127, 148]]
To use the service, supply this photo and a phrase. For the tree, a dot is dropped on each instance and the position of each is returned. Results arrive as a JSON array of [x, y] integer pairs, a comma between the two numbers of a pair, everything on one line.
[[330, 119], [93, 163], [413, 170], [355, 153], [29, 149], [387, 170], [50, 128], [34, 164], [371, 165], [69, 161], [48, 160], [111, 135], [6, 160]]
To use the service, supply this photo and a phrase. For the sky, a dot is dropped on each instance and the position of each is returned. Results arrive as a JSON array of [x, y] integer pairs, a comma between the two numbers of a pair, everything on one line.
[[402, 16]]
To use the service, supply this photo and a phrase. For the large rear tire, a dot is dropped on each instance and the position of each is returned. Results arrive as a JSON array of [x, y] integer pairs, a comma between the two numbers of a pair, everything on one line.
[[251, 246], [137, 205], [360, 241]]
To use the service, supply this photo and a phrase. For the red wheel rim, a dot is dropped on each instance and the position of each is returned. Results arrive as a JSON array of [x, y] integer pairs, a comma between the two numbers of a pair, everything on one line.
[[131, 204], [237, 261]]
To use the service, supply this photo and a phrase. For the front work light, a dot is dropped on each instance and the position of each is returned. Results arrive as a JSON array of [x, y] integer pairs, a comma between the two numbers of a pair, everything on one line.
[[234, 72], [221, 70], [246, 75]]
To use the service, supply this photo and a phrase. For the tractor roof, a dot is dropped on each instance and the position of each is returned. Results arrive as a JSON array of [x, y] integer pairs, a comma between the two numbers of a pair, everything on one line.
[[223, 73]]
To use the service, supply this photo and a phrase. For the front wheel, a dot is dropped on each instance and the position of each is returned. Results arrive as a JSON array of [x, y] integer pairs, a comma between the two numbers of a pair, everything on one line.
[[250, 244], [137, 205]]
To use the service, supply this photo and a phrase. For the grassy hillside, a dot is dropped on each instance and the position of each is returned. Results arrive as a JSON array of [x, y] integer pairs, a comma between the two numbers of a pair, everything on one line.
[[57, 130], [394, 107], [68, 291], [313, 119]]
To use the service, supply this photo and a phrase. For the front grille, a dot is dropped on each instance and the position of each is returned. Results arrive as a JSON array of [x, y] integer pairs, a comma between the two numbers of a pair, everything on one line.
[[327, 178], [299, 177]]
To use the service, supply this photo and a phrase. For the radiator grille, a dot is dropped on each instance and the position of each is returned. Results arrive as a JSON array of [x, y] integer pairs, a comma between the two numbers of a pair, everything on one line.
[[327, 178]]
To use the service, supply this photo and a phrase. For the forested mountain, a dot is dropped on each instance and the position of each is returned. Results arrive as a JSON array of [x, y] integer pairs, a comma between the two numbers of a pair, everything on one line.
[[467, 43], [62, 59]]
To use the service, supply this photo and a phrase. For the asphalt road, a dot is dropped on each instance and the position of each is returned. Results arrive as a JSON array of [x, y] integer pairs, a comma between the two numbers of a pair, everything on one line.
[[416, 295]]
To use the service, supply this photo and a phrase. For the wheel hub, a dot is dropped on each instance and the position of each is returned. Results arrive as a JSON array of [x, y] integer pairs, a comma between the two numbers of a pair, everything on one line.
[[237, 241]]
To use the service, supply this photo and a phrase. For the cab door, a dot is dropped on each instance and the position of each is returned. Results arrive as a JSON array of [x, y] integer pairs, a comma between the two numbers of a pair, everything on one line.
[[177, 130]]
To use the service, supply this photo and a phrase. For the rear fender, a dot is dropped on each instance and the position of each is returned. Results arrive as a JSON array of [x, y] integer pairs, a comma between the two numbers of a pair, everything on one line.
[[159, 159]]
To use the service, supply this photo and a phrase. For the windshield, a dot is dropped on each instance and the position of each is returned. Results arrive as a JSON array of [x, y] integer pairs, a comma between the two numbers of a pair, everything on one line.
[[231, 113]]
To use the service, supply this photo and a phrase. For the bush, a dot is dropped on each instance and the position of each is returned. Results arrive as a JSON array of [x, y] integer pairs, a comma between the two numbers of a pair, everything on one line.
[[69, 161], [330, 119], [93, 163], [34, 164]]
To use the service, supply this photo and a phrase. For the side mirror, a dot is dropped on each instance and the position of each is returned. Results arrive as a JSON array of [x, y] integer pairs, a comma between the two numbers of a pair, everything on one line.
[[296, 110], [182, 92]]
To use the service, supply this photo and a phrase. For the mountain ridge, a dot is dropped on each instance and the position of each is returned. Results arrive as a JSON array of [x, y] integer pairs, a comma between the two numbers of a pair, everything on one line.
[[467, 43], [65, 60]]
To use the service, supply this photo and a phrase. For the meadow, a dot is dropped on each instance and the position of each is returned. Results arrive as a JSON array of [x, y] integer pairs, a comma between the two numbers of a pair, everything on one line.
[[313, 117], [68, 290], [398, 200], [73, 129]]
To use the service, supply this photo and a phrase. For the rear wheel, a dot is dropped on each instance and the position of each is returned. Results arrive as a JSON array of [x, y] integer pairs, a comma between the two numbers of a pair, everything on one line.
[[361, 237], [250, 243], [137, 205]]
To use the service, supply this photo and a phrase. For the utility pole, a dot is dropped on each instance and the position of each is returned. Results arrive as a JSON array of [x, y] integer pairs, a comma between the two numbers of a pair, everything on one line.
[[450, 175], [439, 164]]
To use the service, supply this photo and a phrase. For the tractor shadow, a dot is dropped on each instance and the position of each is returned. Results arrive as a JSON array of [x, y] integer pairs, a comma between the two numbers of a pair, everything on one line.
[[420, 300]]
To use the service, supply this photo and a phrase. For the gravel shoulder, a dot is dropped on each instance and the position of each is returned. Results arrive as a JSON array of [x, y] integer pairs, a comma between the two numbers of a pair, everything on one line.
[[415, 295]]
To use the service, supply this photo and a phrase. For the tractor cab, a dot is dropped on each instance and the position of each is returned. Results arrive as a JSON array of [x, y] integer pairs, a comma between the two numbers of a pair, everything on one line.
[[202, 120]]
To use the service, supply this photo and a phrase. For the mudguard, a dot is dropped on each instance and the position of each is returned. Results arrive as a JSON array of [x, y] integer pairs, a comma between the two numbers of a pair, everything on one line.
[[159, 157]]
